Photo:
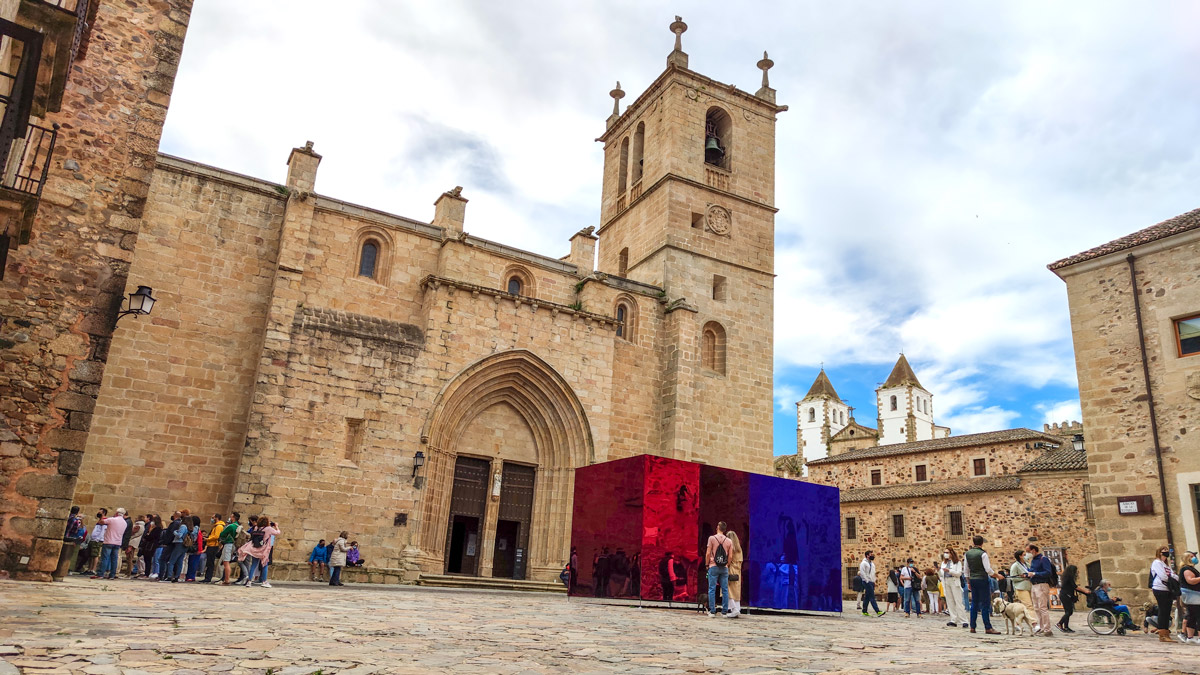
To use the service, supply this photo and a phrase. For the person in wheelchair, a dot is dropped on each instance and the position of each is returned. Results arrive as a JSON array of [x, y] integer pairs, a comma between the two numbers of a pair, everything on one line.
[[1102, 598]]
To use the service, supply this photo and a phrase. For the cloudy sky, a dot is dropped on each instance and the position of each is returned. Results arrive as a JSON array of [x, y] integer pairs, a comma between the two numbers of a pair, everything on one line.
[[936, 156]]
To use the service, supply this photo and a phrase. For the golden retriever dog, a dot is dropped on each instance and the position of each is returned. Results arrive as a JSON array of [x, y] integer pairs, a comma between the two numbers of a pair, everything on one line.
[[1013, 613]]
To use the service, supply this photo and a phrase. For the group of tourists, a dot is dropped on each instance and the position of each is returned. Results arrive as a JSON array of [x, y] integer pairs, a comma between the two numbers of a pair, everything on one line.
[[957, 583], [723, 556], [184, 549]]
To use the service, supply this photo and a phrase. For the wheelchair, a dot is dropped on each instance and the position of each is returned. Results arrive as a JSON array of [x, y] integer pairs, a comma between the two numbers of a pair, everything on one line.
[[1105, 621]]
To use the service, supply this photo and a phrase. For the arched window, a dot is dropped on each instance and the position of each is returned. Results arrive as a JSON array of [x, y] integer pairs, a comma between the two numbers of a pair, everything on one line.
[[626, 312], [518, 281], [712, 347], [812, 414], [639, 143], [893, 403], [623, 166], [718, 127], [371, 256], [367, 258], [623, 262]]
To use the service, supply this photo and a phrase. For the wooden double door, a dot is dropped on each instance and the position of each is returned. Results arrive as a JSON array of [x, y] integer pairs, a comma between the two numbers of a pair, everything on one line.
[[482, 541]]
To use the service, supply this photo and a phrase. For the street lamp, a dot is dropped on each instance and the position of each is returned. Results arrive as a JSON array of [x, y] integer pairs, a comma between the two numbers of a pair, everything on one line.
[[418, 462], [141, 302], [1077, 442]]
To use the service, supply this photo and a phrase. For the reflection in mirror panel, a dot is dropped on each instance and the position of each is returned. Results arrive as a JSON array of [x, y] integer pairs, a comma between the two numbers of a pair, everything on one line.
[[640, 527]]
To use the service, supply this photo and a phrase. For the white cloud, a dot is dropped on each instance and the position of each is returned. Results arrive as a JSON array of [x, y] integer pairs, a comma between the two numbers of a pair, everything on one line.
[[975, 419], [1062, 411]]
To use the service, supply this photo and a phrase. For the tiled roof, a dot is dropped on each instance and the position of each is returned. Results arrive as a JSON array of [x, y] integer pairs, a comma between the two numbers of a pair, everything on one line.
[[964, 441], [821, 387], [935, 488], [902, 374], [1178, 224], [1065, 458]]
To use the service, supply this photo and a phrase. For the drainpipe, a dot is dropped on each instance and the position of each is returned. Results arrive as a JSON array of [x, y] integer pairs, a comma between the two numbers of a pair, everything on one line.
[[1162, 479]]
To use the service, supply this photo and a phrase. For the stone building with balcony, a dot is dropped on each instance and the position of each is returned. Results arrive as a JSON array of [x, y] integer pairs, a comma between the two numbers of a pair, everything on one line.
[[84, 88], [336, 367], [913, 499]]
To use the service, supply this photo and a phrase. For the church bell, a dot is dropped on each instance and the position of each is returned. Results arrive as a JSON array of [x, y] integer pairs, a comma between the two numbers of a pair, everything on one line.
[[712, 150]]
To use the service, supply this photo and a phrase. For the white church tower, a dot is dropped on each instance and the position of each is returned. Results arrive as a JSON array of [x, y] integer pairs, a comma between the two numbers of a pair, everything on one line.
[[819, 415], [905, 408]]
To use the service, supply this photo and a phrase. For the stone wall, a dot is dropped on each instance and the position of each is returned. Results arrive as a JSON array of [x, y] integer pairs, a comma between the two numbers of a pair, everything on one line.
[[171, 415], [1047, 509], [62, 289], [1114, 398], [1002, 459]]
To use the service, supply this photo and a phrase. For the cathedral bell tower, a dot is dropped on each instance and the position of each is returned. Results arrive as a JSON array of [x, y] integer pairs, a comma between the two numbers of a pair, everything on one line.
[[688, 206]]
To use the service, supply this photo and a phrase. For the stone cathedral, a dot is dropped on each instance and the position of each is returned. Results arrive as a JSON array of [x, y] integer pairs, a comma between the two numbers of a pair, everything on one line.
[[336, 367]]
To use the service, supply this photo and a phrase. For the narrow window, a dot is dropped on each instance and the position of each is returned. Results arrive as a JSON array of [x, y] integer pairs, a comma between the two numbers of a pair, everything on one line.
[[639, 141], [354, 437], [623, 167], [621, 319], [720, 288], [851, 528], [812, 414], [876, 477], [898, 526], [698, 221], [1187, 335], [367, 258], [1091, 514], [623, 262], [920, 473], [514, 285], [893, 403], [956, 524], [712, 347], [980, 466]]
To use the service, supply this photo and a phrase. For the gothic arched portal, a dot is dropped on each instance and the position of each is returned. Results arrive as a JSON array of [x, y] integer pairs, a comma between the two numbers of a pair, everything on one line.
[[553, 417]]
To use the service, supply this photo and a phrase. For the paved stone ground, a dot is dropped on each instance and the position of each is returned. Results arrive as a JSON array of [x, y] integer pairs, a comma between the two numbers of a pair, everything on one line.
[[114, 627]]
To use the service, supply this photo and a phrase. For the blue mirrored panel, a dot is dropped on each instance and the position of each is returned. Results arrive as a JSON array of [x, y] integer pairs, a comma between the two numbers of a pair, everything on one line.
[[795, 548]]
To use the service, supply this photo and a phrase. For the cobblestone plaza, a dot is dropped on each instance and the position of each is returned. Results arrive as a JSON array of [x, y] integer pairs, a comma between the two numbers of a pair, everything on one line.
[[128, 627]]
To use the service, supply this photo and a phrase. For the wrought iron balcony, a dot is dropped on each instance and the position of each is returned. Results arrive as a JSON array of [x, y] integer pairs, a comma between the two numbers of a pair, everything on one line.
[[64, 25]]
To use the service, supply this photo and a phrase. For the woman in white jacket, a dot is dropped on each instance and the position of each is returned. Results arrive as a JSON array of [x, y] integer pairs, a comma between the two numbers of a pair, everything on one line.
[[337, 560], [951, 573]]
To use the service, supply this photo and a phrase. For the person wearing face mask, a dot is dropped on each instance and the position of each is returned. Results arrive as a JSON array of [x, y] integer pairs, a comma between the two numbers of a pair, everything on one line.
[[1022, 586], [866, 572], [1161, 579], [1189, 586], [212, 546], [951, 573], [1040, 574]]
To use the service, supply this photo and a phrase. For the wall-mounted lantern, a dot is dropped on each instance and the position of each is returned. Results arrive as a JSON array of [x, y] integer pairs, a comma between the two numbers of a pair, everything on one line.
[[141, 302], [418, 462]]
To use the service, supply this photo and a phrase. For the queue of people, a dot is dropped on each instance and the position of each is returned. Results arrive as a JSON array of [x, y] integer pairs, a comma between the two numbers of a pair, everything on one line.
[[960, 589], [183, 549]]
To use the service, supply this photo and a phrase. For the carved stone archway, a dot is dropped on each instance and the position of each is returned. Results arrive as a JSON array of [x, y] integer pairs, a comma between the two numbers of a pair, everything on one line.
[[562, 439]]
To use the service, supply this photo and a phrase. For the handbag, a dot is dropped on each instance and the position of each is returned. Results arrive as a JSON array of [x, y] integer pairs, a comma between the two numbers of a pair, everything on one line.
[[734, 577]]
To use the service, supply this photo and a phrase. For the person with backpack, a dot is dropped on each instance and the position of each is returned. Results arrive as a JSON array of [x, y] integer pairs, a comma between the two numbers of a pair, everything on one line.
[[716, 556], [893, 589], [910, 588], [258, 550], [1165, 585], [195, 549], [1042, 575]]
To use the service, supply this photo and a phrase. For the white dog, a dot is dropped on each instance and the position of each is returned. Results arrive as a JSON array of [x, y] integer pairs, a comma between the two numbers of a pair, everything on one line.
[[1013, 613]]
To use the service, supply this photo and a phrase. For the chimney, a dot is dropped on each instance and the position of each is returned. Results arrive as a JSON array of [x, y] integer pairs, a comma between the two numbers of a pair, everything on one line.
[[302, 168], [450, 210], [583, 251]]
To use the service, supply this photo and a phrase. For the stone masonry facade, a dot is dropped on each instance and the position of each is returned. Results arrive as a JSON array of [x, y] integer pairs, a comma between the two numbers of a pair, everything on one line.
[[306, 351], [1160, 265], [1033, 489], [62, 287]]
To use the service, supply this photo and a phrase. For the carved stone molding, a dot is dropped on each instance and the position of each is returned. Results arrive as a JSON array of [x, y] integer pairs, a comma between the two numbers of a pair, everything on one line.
[[718, 219]]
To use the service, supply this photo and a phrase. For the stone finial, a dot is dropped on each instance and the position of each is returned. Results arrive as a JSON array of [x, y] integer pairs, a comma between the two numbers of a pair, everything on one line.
[[302, 168], [765, 92], [678, 57], [450, 211], [617, 94]]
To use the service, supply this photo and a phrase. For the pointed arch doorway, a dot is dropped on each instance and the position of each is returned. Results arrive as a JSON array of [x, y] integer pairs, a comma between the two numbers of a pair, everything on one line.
[[503, 441]]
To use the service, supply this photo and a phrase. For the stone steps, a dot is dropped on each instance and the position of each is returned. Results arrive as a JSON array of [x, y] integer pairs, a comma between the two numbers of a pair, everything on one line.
[[485, 583]]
